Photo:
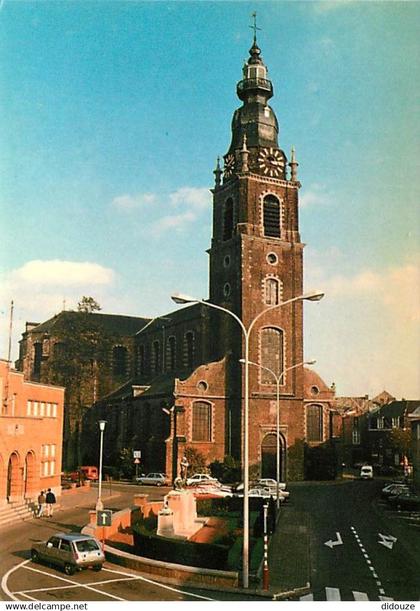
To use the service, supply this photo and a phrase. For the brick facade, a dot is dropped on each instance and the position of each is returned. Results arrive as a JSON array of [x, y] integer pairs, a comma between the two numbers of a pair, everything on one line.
[[31, 429]]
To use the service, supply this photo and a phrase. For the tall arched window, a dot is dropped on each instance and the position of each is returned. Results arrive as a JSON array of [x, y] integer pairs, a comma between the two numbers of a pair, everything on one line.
[[228, 219], [314, 423], [271, 214], [156, 356], [272, 291], [201, 421], [37, 358], [272, 355], [140, 360], [119, 360], [189, 349], [171, 353]]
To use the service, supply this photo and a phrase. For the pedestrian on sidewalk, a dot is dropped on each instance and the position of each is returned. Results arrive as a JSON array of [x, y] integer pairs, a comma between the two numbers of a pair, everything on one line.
[[50, 499], [41, 504]]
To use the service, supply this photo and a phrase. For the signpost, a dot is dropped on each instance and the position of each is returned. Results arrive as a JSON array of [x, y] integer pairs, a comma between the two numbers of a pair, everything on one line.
[[104, 518]]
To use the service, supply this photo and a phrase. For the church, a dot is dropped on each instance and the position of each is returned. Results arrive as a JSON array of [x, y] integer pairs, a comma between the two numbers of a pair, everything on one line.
[[184, 383], [188, 385]]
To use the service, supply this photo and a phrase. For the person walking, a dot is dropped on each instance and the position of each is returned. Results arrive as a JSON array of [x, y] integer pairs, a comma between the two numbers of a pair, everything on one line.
[[41, 504], [50, 499]]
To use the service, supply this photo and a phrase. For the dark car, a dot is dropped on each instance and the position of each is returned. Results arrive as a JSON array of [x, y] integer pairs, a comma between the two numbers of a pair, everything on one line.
[[72, 552], [406, 500]]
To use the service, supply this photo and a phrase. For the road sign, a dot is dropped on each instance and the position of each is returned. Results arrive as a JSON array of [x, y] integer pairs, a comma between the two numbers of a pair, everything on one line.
[[136, 453], [136, 461], [104, 517]]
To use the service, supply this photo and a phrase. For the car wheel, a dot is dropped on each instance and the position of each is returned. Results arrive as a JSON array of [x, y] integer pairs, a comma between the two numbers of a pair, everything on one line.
[[158, 484], [34, 555], [97, 567], [69, 569]]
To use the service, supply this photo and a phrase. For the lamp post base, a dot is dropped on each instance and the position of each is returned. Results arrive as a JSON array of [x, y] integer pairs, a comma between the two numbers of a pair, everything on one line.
[[99, 505]]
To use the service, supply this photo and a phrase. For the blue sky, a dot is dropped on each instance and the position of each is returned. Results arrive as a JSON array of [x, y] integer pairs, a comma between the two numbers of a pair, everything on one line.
[[113, 114]]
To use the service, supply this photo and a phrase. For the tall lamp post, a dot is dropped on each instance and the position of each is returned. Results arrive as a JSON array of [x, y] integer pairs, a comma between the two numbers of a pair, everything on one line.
[[278, 379], [183, 299], [99, 504]]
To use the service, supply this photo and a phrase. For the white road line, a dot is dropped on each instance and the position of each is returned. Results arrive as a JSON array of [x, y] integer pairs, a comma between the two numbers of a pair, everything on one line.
[[81, 585], [160, 585], [6, 577], [332, 593], [360, 595], [26, 595], [93, 583]]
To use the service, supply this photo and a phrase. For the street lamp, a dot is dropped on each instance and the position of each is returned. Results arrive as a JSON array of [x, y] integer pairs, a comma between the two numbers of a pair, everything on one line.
[[184, 299], [99, 504], [278, 379]]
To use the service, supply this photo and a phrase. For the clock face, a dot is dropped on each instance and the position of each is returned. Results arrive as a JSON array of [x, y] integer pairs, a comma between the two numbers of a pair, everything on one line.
[[229, 165], [271, 162]]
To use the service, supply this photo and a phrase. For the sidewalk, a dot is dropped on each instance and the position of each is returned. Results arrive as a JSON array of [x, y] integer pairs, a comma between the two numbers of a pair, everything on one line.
[[289, 551]]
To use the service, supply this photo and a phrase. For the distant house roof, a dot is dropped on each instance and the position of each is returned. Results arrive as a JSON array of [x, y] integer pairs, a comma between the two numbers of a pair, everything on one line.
[[415, 415], [113, 323], [383, 398], [398, 408], [355, 405]]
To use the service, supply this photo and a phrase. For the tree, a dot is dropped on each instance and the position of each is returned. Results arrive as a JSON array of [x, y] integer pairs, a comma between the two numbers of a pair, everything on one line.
[[196, 461], [400, 441], [88, 305]]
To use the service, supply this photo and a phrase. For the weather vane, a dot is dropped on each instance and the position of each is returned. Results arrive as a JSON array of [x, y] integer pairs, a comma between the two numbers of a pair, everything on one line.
[[254, 27]]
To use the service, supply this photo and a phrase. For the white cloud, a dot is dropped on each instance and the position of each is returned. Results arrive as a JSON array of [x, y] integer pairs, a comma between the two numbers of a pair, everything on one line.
[[365, 334], [61, 273], [188, 203], [325, 6], [315, 195], [133, 202], [191, 197]]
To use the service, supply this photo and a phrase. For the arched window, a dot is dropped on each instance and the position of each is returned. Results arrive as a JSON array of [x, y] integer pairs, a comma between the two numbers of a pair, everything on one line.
[[37, 359], [272, 355], [271, 214], [272, 291], [140, 360], [201, 421], [59, 350], [156, 356], [189, 349], [171, 353], [228, 219], [119, 360], [314, 423]]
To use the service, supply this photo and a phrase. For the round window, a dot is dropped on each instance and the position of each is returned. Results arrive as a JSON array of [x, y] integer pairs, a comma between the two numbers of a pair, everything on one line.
[[226, 261], [272, 258], [226, 289], [202, 386], [315, 390]]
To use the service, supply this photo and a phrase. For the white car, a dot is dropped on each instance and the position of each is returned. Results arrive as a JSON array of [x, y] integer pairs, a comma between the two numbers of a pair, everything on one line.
[[271, 484], [207, 490], [202, 478], [260, 493]]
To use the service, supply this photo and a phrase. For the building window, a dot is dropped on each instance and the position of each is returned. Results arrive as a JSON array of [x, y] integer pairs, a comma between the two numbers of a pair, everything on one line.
[[272, 353], [29, 408], [314, 423], [201, 421], [226, 289], [356, 432], [156, 356], [37, 359], [54, 410], [272, 258], [119, 360], [228, 219], [140, 364], [189, 349], [59, 350], [226, 261], [171, 353], [272, 291], [271, 215]]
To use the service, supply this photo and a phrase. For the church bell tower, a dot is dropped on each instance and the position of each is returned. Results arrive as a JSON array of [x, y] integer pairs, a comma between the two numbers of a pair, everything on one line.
[[256, 262]]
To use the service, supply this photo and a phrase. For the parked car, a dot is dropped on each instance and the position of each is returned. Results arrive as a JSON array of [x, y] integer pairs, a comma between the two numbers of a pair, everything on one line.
[[271, 484], [406, 500], [202, 478], [366, 472], [261, 493], [208, 491], [72, 552], [153, 479], [393, 489]]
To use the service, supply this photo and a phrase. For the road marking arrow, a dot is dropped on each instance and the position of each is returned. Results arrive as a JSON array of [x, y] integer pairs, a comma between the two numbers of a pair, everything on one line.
[[387, 540], [332, 543]]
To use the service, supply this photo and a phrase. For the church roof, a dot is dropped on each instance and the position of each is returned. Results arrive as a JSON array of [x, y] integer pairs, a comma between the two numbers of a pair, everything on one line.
[[314, 386], [113, 323]]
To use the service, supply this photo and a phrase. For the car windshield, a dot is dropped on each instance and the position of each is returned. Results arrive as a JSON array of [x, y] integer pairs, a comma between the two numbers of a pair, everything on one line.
[[87, 545]]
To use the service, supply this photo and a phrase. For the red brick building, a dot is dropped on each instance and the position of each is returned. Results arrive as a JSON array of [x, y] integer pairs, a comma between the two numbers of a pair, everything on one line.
[[188, 384], [31, 434]]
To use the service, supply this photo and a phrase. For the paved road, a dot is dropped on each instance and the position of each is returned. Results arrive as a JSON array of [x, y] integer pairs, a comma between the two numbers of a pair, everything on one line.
[[372, 554], [25, 580]]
